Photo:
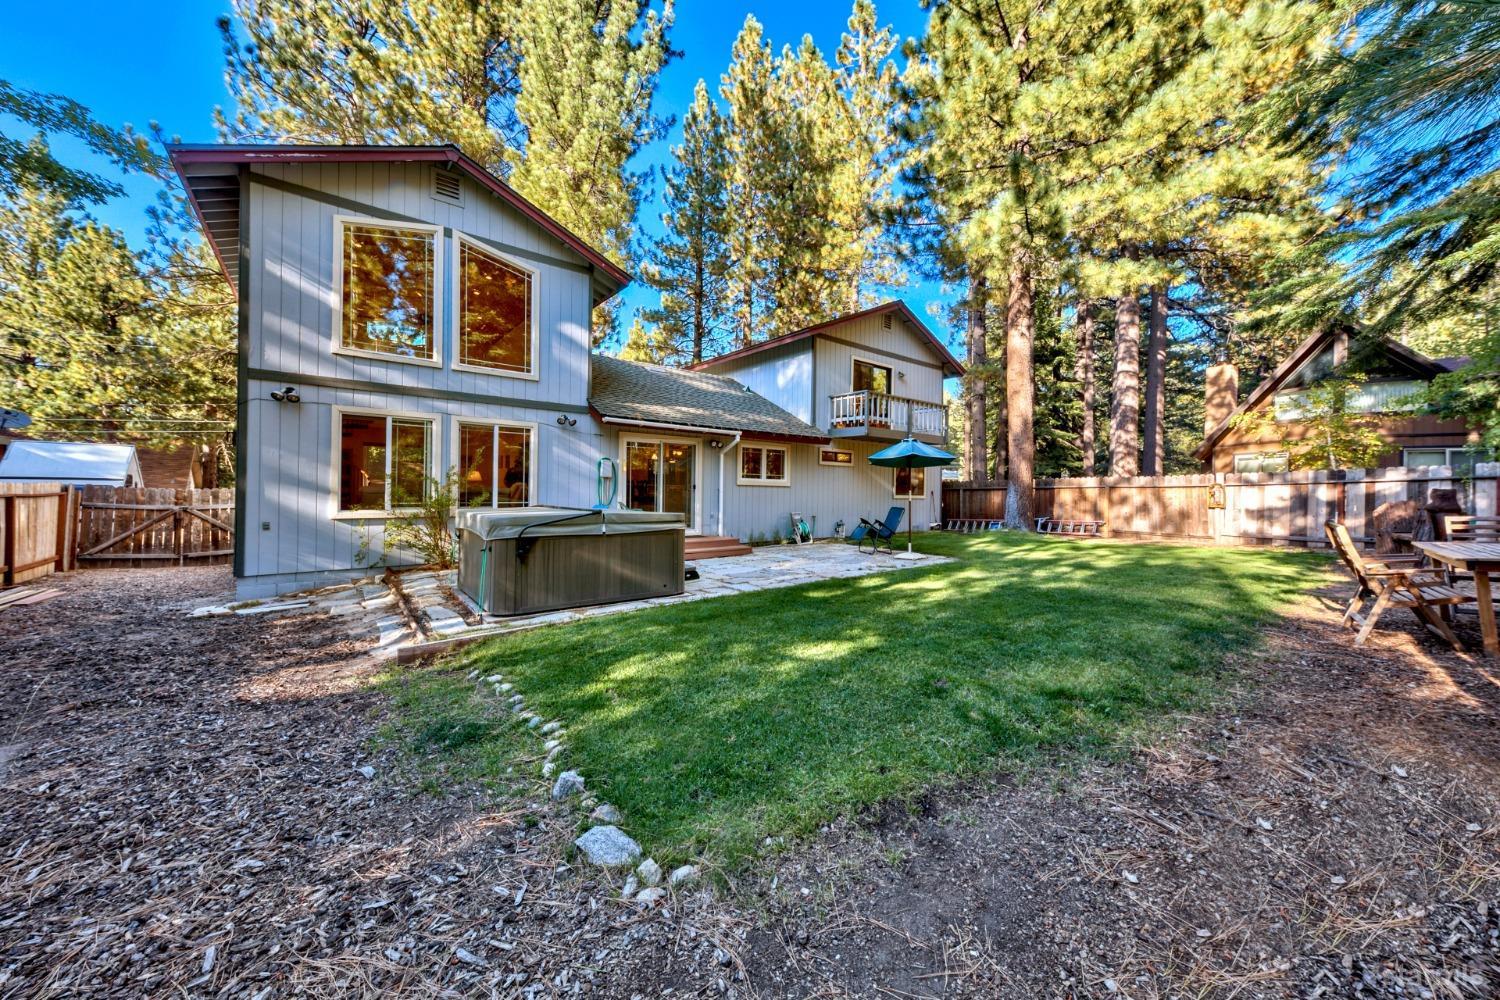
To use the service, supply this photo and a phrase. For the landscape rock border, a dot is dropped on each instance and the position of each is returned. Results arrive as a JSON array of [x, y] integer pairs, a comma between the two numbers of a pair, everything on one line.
[[603, 844]]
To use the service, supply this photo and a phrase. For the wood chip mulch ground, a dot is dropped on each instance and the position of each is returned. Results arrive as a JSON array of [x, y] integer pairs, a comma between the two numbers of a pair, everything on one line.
[[185, 814], [202, 808]]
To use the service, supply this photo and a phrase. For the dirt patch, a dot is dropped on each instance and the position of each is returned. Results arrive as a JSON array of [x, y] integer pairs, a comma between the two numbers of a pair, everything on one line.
[[1337, 834], [186, 814]]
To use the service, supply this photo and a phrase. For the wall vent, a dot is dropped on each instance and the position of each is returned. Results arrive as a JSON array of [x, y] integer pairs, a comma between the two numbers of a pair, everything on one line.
[[885, 321], [447, 186]]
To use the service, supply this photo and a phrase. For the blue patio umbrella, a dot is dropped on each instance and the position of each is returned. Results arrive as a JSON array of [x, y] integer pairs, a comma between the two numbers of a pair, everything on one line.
[[910, 453]]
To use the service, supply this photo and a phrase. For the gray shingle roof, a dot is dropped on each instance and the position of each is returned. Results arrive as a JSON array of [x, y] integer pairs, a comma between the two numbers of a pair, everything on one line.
[[631, 390]]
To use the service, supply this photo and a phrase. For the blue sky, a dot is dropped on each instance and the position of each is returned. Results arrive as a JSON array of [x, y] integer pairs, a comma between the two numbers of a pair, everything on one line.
[[137, 63]]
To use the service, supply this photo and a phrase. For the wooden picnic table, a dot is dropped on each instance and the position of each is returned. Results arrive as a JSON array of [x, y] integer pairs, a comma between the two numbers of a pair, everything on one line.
[[1481, 559]]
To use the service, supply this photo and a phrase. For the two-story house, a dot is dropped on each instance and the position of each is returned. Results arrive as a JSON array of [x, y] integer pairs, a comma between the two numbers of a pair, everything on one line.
[[404, 316]]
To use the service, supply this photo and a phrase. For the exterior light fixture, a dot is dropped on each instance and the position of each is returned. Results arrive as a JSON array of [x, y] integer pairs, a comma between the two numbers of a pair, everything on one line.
[[287, 395]]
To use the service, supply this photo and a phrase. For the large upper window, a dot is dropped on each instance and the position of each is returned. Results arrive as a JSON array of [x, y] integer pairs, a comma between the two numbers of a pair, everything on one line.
[[389, 280], [870, 377], [494, 465], [384, 461], [496, 312], [762, 465], [911, 484]]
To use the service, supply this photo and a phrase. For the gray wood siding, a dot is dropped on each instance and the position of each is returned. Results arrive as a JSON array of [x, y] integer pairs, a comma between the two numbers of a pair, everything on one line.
[[784, 376], [898, 347], [291, 449], [830, 492], [294, 463], [292, 280]]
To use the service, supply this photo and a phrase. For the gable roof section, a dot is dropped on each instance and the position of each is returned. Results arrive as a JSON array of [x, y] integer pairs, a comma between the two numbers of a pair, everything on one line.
[[81, 463], [950, 364], [634, 392], [1294, 361], [215, 193]]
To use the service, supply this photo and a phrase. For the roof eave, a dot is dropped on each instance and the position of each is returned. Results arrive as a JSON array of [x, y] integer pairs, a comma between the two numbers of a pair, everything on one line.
[[613, 276], [951, 366]]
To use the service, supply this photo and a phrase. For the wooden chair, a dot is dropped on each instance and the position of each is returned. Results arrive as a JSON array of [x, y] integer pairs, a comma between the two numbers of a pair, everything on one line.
[[1467, 528], [1393, 581]]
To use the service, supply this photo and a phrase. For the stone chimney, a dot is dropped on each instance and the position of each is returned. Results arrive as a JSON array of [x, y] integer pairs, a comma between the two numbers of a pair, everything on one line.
[[1221, 394]]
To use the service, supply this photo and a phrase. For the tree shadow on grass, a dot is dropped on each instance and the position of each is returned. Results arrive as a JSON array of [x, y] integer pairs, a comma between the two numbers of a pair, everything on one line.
[[716, 723]]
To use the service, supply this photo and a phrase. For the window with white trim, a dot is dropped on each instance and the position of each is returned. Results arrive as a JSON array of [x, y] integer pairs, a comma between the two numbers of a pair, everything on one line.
[[385, 462], [389, 303], [497, 316], [911, 484], [835, 456], [764, 465], [1261, 461], [494, 465]]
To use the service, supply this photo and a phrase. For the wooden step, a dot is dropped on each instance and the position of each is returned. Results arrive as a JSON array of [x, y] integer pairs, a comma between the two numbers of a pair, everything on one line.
[[713, 547]]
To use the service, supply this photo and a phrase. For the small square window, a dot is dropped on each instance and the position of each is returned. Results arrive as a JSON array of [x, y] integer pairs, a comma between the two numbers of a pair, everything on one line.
[[911, 484], [762, 465]]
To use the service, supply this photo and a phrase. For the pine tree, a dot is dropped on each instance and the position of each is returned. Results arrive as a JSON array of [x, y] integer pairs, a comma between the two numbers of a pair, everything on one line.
[[869, 164], [587, 75], [811, 164], [753, 146], [345, 71], [688, 266]]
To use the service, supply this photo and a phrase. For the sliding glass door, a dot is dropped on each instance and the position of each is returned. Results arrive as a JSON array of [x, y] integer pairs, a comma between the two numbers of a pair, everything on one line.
[[662, 476]]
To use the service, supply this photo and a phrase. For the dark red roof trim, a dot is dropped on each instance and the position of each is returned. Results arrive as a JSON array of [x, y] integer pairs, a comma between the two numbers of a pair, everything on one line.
[[896, 305], [182, 155]]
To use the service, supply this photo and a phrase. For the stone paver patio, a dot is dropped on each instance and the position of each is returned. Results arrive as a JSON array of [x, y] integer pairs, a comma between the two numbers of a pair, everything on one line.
[[764, 568], [369, 608]]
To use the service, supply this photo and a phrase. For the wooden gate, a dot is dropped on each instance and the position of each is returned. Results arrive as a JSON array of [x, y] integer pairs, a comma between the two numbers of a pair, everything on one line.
[[153, 527], [36, 530]]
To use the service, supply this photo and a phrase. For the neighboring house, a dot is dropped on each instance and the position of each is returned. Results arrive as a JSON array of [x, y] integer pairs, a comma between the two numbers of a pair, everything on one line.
[[404, 313], [1393, 373], [72, 463]]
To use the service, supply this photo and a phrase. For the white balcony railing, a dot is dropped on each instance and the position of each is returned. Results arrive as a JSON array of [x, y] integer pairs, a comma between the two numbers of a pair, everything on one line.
[[865, 410]]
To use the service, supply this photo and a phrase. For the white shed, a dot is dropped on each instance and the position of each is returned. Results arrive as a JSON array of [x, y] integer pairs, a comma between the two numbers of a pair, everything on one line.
[[72, 463]]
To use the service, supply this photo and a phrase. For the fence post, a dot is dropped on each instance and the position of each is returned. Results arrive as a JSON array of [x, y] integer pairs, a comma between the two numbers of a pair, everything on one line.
[[64, 507], [8, 554]]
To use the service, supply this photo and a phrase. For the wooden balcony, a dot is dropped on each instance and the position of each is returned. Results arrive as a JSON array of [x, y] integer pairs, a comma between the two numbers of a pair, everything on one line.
[[880, 415]]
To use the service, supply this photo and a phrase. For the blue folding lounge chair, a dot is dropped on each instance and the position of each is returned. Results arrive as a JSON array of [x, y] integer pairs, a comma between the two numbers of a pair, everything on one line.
[[878, 533]]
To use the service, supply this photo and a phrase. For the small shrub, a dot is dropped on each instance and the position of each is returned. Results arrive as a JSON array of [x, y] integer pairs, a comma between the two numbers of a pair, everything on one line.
[[426, 526]]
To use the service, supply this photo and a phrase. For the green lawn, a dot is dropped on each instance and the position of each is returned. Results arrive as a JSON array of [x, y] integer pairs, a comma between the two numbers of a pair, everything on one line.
[[716, 723]]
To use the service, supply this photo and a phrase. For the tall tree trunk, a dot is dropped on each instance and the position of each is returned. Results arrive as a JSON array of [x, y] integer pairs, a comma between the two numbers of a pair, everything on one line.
[[1020, 331], [1154, 457], [698, 309], [747, 317], [1125, 402], [999, 446], [1086, 377], [976, 443]]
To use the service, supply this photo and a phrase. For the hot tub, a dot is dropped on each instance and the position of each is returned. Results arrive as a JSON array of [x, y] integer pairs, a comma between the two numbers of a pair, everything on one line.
[[530, 559]]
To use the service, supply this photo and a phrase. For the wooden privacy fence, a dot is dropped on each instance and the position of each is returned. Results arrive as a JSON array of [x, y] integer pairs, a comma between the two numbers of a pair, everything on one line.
[[121, 526], [1287, 508], [38, 524]]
